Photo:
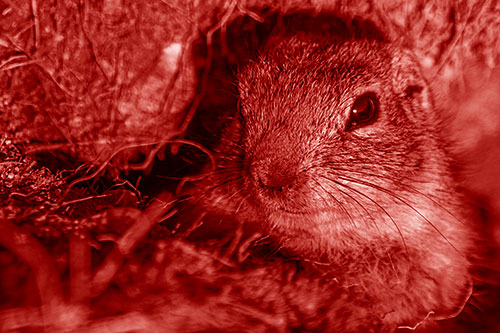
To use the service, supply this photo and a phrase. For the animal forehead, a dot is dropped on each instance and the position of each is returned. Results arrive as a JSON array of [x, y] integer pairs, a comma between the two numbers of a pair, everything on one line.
[[309, 84], [324, 64], [324, 53]]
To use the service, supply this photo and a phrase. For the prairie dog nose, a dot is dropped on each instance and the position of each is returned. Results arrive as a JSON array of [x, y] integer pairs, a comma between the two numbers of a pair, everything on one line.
[[275, 170]]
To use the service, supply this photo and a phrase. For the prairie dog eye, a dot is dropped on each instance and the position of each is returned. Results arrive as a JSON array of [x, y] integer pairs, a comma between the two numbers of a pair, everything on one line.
[[364, 110]]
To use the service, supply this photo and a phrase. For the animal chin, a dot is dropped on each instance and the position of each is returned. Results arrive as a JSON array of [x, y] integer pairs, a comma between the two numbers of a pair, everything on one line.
[[289, 219], [286, 209]]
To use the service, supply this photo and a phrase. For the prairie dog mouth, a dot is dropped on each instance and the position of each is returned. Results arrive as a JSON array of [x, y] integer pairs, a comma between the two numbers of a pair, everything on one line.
[[310, 217]]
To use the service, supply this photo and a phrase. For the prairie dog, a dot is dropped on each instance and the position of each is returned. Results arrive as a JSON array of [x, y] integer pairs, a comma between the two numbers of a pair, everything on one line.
[[337, 153]]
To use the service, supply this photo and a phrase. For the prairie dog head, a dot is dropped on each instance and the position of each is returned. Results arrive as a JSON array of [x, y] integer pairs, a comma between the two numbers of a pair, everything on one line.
[[340, 146], [337, 152]]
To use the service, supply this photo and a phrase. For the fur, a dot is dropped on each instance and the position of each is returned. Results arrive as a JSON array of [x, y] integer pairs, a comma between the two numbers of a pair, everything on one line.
[[374, 208]]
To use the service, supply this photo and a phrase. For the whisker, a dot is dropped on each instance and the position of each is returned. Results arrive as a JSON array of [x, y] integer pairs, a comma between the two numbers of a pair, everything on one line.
[[360, 205], [224, 154], [381, 189], [405, 185], [210, 189], [377, 204], [243, 200], [349, 216], [222, 170], [226, 181], [349, 196]]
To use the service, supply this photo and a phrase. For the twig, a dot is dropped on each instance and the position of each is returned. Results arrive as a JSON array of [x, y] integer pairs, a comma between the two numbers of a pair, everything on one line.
[[34, 9], [79, 270], [72, 202], [206, 71], [103, 165], [29, 250], [13, 320], [58, 128], [242, 250], [453, 44], [412, 328], [250, 13], [149, 159], [129, 322], [13, 59], [143, 222], [81, 16]]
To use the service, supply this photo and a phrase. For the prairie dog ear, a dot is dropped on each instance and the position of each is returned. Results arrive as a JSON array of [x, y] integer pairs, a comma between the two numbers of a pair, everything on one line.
[[408, 78], [408, 81]]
